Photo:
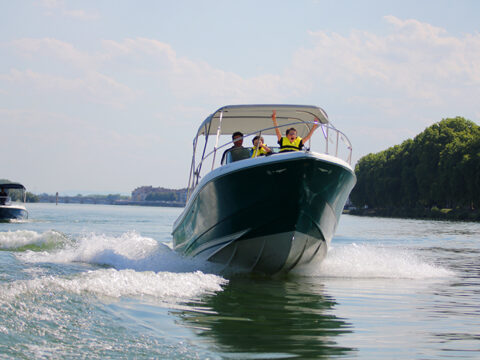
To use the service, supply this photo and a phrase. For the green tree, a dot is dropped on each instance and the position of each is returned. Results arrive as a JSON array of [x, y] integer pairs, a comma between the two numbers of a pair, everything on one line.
[[439, 167]]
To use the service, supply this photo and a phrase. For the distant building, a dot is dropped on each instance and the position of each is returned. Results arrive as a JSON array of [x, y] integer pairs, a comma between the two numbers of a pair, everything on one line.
[[141, 193]]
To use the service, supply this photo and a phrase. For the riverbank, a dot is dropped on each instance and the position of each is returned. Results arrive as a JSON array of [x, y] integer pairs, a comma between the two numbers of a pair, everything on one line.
[[150, 203], [141, 196], [96, 201], [433, 213]]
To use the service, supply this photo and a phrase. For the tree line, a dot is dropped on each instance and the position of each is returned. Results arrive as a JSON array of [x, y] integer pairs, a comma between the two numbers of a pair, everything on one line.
[[173, 195], [440, 167], [150, 193]]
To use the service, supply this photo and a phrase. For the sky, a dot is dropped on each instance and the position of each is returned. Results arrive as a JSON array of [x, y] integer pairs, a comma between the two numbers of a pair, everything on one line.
[[105, 96]]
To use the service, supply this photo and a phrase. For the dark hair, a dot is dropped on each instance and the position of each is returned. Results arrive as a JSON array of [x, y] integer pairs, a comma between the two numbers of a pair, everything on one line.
[[255, 138], [235, 134], [291, 129]]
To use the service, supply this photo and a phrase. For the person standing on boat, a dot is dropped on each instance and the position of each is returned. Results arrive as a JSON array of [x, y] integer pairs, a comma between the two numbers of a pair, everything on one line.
[[259, 148], [237, 138], [291, 142]]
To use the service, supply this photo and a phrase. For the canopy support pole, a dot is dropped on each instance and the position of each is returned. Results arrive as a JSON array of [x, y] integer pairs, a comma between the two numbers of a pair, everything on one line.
[[216, 141], [326, 148], [336, 147]]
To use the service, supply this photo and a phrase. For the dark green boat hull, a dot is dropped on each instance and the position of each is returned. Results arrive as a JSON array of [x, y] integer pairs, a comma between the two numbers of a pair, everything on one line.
[[267, 216]]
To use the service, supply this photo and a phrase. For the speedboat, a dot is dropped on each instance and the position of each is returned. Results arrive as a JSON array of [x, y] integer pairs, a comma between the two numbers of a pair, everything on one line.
[[265, 214], [12, 210]]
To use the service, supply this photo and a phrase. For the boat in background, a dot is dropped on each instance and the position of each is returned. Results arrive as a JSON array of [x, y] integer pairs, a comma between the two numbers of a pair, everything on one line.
[[264, 214], [11, 210]]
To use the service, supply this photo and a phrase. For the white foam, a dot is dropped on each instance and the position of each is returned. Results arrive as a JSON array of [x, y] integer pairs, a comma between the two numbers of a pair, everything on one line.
[[12, 240], [127, 251], [165, 286], [374, 261]]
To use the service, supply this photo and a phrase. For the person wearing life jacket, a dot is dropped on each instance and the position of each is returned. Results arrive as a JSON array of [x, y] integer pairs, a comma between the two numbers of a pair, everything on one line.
[[291, 142], [259, 148]]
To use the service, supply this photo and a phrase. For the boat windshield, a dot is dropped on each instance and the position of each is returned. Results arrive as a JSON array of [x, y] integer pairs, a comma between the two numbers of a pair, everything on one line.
[[236, 154]]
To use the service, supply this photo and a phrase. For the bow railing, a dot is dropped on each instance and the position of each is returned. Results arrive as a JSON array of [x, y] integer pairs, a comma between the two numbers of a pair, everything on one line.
[[326, 139]]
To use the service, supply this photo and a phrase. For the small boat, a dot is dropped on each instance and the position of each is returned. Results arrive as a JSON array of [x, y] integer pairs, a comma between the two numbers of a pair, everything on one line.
[[11, 210], [264, 214]]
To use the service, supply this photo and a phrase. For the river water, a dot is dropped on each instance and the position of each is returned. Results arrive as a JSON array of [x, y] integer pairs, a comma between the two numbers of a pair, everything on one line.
[[100, 282]]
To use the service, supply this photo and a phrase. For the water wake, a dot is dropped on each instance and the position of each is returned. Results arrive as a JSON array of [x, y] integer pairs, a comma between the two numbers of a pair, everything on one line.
[[131, 251], [127, 251], [374, 261], [165, 286], [138, 266], [22, 240]]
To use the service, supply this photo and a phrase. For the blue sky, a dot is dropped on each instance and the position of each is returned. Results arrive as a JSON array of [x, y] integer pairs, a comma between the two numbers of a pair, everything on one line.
[[105, 96]]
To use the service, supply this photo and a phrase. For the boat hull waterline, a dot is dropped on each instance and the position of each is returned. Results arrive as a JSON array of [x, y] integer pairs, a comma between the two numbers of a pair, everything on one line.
[[265, 215], [11, 212]]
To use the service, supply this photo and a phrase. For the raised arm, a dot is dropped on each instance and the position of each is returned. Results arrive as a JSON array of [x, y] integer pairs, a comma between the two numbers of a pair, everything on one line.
[[274, 119], [306, 138]]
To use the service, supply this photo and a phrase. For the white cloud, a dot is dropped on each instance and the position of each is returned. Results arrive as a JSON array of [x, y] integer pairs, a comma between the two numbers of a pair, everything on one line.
[[188, 78], [81, 14], [416, 59], [383, 88], [84, 77], [388, 87], [146, 61], [55, 50], [415, 29], [51, 4], [92, 86], [58, 7]]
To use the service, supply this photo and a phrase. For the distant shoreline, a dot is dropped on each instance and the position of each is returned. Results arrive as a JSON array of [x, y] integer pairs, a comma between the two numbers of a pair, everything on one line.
[[420, 213], [141, 196], [89, 201], [150, 203]]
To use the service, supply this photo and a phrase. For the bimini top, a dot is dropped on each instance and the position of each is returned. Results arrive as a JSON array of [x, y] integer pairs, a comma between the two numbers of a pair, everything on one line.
[[12, 186], [252, 118]]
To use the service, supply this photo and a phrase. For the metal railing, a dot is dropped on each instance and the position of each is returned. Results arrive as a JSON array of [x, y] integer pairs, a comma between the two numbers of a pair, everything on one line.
[[332, 138]]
